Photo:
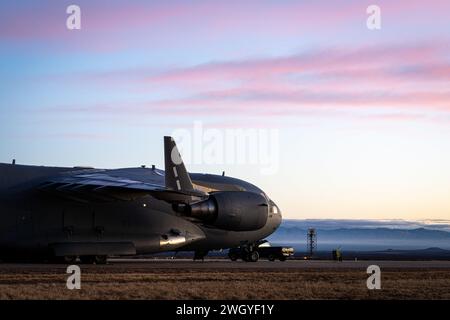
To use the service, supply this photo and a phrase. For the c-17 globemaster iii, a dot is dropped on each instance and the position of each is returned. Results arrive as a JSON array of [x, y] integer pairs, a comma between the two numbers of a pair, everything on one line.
[[60, 214]]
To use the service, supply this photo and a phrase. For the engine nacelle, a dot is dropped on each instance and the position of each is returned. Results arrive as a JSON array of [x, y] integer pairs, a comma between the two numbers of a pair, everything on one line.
[[232, 210]]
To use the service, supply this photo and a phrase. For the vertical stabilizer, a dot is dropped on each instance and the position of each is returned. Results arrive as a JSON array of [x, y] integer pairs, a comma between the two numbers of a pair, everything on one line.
[[177, 178]]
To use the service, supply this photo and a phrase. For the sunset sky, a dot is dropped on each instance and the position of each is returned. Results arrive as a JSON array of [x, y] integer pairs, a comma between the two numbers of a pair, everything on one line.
[[363, 116]]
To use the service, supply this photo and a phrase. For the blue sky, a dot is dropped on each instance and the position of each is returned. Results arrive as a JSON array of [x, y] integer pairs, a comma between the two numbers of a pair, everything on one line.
[[362, 115]]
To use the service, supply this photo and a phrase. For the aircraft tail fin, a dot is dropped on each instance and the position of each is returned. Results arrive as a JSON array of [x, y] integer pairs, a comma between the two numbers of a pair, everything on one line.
[[177, 177]]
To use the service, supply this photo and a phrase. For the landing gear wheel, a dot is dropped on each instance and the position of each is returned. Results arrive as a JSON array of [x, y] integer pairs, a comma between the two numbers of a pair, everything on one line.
[[87, 259], [62, 259], [253, 256], [69, 259], [233, 256], [200, 255], [101, 259], [271, 257], [282, 258]]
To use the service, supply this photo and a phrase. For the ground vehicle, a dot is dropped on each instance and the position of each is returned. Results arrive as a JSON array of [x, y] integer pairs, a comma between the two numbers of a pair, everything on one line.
[[263, 250]]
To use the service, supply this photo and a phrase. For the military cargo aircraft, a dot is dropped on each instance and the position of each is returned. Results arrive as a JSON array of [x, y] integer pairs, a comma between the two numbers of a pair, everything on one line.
[[62, 214]]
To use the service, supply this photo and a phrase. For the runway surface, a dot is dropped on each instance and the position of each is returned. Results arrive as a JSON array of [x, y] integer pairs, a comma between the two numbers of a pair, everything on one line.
[[224, 279], [187, 264], [289, 264]]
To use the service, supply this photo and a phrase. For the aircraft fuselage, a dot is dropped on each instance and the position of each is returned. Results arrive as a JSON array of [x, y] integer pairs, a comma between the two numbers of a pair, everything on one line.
[[35, 223]]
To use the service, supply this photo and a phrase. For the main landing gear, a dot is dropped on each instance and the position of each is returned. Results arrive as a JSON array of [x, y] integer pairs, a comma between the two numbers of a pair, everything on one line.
[[249, 253], [100, 259], [94, 259], [200, 255], [251, 256]]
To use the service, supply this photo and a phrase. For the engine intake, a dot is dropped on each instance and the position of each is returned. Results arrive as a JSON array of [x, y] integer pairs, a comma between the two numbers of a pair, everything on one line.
[[232, 210]]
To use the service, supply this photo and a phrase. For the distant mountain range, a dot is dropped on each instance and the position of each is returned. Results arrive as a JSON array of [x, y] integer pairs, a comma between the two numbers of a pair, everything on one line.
[[364, 234]]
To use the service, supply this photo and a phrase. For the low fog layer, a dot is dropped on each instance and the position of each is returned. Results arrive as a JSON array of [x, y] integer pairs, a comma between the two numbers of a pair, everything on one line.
[[366, 234]]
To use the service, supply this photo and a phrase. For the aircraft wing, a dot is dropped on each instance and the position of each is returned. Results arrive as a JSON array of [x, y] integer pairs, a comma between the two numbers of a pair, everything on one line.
[[105, 187], [128, 184]]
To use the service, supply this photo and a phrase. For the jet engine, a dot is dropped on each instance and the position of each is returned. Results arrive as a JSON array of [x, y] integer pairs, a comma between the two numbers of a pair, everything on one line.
[[231, 210]]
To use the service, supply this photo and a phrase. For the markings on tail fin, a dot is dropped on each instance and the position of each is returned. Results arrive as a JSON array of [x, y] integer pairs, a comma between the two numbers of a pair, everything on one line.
[[176, 175]]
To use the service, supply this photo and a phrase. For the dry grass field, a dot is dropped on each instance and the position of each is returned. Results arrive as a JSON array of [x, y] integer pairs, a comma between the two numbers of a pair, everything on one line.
[[140, 282]]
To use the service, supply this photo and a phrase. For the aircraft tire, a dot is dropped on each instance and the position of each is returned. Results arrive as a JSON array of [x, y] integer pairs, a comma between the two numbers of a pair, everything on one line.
[[282, 258], [253, 256], [69, 259], [101, 259], [87, 259], [271, 257], [233, 257]]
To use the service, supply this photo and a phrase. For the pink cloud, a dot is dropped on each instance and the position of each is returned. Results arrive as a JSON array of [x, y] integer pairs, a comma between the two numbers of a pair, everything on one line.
[[387, 76], [108, 25], [419, 67], [346, 61], [273, 103], [407, 78]]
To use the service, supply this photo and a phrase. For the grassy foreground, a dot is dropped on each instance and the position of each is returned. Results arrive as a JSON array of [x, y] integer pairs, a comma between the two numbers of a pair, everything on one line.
[[122, 283]]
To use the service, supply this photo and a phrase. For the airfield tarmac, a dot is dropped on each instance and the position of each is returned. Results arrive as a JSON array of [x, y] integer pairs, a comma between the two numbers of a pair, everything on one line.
[[223, 279]]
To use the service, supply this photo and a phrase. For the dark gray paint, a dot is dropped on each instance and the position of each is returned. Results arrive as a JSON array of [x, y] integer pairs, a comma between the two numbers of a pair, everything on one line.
[[51, 210]]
